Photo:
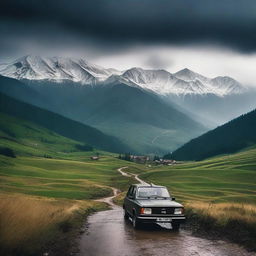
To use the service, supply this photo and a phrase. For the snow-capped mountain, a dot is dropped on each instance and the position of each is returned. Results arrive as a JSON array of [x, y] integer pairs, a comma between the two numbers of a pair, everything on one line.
[[181, 83], [162, 82], [219, 85], [189, 75], [55, 68]]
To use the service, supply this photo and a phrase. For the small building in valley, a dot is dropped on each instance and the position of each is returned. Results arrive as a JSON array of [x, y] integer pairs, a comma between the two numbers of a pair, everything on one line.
[[95, 158]]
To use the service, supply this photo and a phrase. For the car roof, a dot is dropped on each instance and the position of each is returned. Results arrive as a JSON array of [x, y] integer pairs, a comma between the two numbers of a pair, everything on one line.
[[147, 186]]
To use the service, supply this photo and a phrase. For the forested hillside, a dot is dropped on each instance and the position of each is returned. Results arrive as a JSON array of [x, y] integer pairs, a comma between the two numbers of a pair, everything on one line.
[[228, 138]]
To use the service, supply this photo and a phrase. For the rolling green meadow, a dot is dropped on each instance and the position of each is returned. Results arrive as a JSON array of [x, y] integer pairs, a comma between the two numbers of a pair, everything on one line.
[[219, 194], [229, 178]]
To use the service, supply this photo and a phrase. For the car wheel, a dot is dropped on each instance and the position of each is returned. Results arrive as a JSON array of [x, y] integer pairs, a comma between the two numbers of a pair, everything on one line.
[[135, 222], [176, 226], [126, 216]]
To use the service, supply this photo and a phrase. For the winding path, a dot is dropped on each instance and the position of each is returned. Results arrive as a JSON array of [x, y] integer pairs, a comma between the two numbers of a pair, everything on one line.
[[107, 233], [131, 175]]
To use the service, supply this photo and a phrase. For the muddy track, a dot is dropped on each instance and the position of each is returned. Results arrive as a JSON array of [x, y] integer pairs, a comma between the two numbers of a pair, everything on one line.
[[107, 233], [126, 174]]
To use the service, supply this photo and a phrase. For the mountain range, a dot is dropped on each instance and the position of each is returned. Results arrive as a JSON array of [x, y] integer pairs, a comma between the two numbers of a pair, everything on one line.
[[139, 119], [161, 82], [150, 111]]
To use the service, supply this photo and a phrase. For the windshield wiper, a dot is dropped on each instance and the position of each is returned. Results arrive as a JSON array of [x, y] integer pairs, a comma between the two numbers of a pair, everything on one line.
[[157, 197]]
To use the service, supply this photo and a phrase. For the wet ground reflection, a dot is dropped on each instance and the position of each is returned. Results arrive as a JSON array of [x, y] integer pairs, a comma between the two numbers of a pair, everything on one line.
[[108, 234]]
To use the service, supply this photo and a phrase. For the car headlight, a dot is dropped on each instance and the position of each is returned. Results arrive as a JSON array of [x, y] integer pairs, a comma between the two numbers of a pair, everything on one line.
[[145, 211], [178, 211]]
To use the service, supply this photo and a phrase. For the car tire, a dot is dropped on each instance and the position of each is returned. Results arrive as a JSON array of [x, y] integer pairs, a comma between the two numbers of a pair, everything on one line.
[[126, 215], [175, 226], [135, 222]]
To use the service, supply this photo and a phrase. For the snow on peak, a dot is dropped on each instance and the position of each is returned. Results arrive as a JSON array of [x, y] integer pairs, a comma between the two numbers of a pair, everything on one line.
[[189, 75], [182, 82], [55, 68], [160, 82]]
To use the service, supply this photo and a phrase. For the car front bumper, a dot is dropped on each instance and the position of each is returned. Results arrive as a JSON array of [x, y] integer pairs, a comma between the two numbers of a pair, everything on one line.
[[161, 219]]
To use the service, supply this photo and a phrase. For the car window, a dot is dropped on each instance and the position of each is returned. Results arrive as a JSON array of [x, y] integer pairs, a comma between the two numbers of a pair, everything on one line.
[[133, 192], [146, 192], [129, 191]]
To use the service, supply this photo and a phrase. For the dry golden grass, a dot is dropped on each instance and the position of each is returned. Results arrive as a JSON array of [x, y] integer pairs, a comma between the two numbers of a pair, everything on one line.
[[225, 211], [119, 198], [25, 219], [234, 221]]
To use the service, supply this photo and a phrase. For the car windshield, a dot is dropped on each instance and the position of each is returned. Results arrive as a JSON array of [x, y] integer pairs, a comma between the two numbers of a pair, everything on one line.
[[147, 192]]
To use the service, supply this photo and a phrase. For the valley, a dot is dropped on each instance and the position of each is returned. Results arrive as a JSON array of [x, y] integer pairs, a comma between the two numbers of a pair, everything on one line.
[[98, 96], [182, 105], [50, 172]]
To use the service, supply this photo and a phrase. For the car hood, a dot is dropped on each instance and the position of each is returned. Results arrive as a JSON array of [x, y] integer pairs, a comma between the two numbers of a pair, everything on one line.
[[158, 203]]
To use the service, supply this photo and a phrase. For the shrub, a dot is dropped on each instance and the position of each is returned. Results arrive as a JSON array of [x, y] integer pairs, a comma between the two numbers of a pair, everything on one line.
[[7, 152]]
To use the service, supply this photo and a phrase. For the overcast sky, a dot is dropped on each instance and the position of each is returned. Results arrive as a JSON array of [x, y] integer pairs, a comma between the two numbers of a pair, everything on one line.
[[207, 36]]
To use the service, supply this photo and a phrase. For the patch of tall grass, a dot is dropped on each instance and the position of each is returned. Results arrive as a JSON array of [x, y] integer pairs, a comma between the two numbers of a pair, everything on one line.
[[28, 223], [234, 221]]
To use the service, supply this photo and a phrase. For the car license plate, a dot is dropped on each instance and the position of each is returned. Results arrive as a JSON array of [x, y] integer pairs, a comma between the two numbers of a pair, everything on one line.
[[163, 219]]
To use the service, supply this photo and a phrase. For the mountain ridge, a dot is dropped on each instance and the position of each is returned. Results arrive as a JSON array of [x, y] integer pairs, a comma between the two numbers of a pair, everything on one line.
[[160, 81]]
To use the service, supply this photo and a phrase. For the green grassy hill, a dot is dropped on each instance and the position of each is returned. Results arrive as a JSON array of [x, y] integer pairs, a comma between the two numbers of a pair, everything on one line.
[[221, 179], [28, 139], [61, 125], [47, 164], [228, 138], [218, 193]]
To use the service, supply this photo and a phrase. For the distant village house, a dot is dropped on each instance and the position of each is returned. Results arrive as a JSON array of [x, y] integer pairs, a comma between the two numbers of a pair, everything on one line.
[[95, 158]]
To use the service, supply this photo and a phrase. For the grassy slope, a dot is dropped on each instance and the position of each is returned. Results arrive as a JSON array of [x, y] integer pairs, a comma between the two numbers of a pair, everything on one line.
[[60, 124], [61, 178], [228, 178], [27, 138], [219, 194], [68, 173]]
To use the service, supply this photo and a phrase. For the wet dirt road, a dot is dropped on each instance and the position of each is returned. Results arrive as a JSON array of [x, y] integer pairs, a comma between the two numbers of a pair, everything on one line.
[[107, 233]]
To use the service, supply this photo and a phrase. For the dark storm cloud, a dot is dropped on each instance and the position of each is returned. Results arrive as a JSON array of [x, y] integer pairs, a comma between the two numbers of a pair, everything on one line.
[[228, 22]]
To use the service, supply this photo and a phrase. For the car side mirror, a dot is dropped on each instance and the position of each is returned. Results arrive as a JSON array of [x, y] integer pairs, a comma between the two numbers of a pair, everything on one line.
[[173, 198], [131, 197]]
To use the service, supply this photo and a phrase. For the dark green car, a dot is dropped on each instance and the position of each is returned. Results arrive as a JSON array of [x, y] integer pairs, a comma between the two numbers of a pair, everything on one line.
[[145, 204]]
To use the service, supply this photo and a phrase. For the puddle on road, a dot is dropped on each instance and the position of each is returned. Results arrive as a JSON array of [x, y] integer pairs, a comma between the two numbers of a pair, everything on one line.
[[109, 234]]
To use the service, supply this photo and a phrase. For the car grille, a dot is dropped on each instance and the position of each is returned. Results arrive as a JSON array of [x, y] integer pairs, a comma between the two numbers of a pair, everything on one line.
[[163, 210]]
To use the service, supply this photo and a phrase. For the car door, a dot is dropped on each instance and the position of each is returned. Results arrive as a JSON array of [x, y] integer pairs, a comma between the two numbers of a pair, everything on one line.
[[129, 200], [126, 199]]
